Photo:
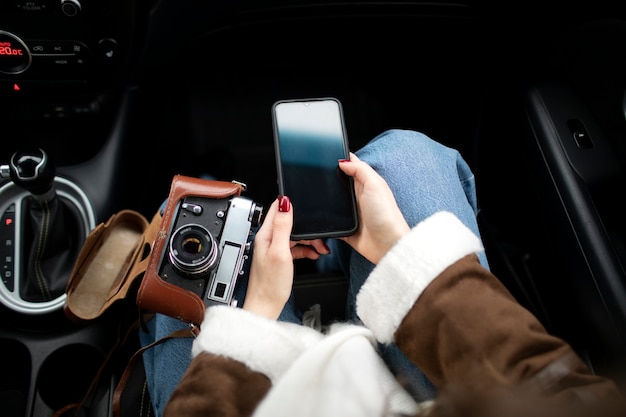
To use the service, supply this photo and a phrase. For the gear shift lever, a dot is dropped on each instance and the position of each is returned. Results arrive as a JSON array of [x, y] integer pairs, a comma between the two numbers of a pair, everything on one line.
[[34, 172], [52, 231]]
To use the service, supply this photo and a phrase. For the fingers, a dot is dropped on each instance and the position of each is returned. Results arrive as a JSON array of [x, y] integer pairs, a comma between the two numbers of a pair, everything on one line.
[[276, 227], [276, 230], [348, 165], [359, 170], [310, 251], [301, 251], [283, 220], [271, 271]]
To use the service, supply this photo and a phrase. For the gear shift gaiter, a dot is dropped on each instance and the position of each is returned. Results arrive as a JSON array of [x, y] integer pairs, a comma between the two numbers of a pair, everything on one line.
[[52, 231]]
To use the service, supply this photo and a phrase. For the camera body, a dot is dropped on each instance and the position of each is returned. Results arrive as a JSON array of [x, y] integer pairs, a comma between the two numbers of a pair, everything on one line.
[[207, 245]]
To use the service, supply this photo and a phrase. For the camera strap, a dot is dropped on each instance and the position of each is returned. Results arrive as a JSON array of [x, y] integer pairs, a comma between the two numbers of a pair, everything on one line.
[[121, 388], [132, 379]]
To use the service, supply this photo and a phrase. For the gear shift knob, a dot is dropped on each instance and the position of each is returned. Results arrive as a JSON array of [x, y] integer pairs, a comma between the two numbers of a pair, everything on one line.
[[34, 172]]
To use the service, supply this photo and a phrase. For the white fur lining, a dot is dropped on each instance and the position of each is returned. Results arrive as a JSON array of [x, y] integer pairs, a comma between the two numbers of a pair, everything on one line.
[[264, 345], [406, 270], [342, 375]]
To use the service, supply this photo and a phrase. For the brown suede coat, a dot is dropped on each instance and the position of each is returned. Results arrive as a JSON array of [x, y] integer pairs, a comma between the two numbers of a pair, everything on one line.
[[487, 355]]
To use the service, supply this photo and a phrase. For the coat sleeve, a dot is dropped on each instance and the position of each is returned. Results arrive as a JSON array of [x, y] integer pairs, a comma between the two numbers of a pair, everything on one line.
[[459, 324], [215, 385], [236, 358], [467, 327]]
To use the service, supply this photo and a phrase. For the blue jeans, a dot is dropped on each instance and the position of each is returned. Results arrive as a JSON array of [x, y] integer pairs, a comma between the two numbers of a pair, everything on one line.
[[425, 177]]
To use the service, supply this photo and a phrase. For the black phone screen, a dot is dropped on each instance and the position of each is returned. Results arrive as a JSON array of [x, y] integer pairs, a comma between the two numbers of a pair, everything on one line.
[[310, 139]]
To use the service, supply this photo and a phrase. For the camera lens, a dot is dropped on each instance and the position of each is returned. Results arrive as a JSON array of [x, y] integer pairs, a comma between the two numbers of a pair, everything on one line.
[[193, 249]]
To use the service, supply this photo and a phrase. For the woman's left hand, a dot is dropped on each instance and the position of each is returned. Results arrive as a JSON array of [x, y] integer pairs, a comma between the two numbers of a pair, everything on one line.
[[271, 271]]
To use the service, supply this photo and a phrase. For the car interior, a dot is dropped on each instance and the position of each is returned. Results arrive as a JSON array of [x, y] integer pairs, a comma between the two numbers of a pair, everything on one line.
[[119, 96]]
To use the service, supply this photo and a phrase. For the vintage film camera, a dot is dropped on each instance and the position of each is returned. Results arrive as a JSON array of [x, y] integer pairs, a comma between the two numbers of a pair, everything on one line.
[[207, 244]]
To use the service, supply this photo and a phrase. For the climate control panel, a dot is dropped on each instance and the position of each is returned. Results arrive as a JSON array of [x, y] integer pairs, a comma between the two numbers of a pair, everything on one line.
[[90, 41], [44, 55]]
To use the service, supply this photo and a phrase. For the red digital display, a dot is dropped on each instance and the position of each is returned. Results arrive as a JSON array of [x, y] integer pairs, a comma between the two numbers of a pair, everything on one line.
[[15, 57], [7, 49]]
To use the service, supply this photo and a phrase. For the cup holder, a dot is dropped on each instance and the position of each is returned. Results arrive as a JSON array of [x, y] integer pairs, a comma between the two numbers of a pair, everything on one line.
[[15, 380], [67, 373]]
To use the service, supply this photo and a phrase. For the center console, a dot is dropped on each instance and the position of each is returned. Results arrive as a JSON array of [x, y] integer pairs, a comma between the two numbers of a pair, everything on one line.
[[64, 66]]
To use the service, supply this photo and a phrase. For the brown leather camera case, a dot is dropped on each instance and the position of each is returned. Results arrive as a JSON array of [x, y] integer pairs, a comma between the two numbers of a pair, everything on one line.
[[113, 257], [155, 294]]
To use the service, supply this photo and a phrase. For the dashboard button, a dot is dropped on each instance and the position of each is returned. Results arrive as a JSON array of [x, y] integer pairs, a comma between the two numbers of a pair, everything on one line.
[[109, 51]]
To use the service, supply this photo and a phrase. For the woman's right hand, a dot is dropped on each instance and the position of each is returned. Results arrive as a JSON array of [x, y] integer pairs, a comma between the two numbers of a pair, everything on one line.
[[381, 221]]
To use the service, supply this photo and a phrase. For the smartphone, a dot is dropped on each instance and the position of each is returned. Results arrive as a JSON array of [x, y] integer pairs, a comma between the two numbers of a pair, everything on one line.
[[310, 139]]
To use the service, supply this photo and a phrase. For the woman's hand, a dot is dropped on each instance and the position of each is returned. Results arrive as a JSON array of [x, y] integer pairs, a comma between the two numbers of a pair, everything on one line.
[[382, 222], [271, 271]]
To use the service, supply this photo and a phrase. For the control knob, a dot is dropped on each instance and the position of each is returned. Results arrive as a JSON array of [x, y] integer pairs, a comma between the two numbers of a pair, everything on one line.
[[70, 7]]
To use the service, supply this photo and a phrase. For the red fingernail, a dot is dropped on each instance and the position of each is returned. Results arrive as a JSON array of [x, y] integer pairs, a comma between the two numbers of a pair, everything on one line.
[[284, 204], [344, 160]]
